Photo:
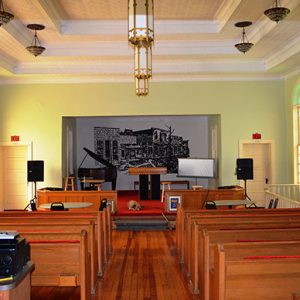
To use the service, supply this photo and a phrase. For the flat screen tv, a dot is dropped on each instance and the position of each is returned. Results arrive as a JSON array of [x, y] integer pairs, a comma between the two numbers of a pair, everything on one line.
[[196, 167]]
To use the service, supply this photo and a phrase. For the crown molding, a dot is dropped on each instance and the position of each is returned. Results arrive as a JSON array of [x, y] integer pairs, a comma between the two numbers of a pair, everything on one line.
[[52, 11], [7, 63], [83, 79], [284, 53], [120, 27], [225, 12], [96, 49], [122, 48], [114, 67], [19, 32]]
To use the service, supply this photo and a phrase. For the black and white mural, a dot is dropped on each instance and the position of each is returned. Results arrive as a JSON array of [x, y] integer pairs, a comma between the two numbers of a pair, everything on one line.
[[150, 147], [132, 141]]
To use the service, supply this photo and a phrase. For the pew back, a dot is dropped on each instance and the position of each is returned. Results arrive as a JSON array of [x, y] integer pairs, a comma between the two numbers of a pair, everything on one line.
[[22, 224], [209, 238], [240, 272], [102, 220], [234, 216], [61, 259]]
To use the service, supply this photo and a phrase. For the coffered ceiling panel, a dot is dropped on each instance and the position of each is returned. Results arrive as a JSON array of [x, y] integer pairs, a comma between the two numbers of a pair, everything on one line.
[[194, 40]]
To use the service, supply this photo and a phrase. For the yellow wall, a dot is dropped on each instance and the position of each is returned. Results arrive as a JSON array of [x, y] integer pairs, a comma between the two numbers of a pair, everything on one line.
[[35, 113]]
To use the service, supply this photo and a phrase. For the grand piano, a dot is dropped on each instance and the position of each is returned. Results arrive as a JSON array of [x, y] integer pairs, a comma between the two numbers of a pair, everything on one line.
[[106, 173]]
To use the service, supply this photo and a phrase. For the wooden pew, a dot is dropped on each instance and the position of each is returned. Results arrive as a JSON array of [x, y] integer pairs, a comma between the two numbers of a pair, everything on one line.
[[223, 216], [267, 270], [209, 238], [183, 216], [190, 241], [22, 224], [230, 223], [61, 259], [183, 221], [187, 217], [94, 197], [103, 227], [107, 233]]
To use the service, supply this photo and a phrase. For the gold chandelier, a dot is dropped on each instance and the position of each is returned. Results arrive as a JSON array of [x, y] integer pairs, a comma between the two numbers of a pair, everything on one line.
[[142, 60], [141, 37], [277, 13], [141, 86], [5, 17]]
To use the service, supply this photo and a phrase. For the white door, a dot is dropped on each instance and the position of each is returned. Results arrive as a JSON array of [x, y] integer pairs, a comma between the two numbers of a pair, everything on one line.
[[262, 153], [70, 154], [15, 192]]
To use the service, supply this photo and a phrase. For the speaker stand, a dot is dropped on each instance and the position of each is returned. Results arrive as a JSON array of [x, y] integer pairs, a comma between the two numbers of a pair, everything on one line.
[[246, 195], [32, 202]]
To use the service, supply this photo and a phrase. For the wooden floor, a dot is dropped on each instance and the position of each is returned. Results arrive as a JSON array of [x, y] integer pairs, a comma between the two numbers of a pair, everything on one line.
[[143, 266]]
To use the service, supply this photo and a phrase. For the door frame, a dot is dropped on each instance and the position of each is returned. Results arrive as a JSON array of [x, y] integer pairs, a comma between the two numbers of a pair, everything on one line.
[[271, 144]]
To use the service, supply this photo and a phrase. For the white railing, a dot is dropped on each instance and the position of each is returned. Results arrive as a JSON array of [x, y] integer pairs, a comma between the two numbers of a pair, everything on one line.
[[288, 195]]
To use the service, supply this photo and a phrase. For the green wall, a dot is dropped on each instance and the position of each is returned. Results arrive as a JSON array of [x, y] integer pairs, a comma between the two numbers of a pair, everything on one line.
[[35, 113], [292, 97]]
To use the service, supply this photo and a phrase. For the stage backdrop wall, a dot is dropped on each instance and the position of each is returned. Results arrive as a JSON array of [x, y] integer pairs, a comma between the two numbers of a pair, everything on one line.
[[35, 111], [142, 141]]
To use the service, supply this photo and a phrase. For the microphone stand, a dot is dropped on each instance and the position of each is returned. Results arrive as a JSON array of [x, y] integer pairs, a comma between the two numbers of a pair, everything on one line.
[[32, 202], [246, 195]]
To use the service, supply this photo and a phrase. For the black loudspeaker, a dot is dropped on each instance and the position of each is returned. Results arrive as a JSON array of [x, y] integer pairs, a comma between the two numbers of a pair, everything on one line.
[[244, 168], [35, 170]]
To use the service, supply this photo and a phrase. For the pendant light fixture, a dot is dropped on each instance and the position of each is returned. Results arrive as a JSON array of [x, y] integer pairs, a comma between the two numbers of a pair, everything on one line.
[[5, 17], [142, 61], [35, 48], [140, 21], [141, 86], [141, 38], [244, 45], [277, 13]]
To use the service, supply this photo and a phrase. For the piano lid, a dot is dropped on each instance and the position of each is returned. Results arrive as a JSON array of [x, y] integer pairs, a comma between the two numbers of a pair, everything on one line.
[[98, 158]]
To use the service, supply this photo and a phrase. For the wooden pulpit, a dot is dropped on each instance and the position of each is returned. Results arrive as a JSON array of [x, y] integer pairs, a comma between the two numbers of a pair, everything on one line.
[[144, 173]]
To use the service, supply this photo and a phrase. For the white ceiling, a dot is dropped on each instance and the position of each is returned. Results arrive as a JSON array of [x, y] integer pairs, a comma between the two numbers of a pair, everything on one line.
[[86, 41]]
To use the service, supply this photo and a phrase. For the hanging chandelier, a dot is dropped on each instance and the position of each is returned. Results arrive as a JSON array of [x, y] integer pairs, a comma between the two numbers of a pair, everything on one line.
[[35, 48], [140, 21], [244, 45], [142, 60], [277, 13], [141, 38], [5, 17], [141, 86]]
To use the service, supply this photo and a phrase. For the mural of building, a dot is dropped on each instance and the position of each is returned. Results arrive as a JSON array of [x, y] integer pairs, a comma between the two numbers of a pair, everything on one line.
[[153, 147]]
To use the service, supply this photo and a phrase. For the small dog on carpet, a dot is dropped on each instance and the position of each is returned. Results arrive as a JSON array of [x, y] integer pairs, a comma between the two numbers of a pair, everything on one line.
[[134, 205]]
